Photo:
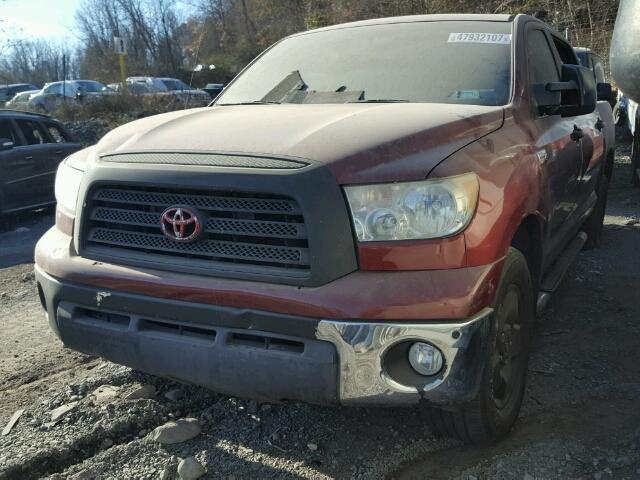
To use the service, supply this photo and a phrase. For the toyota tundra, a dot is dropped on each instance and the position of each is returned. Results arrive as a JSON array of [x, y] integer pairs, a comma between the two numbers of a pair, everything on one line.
[[369, 214]]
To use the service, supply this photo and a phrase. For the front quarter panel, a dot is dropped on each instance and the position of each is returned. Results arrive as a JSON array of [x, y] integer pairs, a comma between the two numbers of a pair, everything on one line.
[[509, 173]]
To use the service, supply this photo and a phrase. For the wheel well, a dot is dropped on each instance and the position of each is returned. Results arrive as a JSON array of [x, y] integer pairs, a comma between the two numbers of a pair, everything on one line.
[[608, 165], [528, 239]]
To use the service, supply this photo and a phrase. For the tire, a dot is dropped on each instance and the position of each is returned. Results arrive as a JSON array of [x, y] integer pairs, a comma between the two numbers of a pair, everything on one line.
[[491, 415], [593, 225]]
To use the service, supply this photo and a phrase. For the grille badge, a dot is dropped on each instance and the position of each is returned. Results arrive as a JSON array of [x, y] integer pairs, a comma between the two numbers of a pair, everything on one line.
[[180, 224]]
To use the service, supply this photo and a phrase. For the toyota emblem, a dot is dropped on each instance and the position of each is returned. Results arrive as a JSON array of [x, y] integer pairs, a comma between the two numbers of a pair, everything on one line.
[[180, 224]]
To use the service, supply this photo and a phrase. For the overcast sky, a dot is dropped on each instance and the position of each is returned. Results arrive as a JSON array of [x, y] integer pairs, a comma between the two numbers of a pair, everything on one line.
[[51, 19]]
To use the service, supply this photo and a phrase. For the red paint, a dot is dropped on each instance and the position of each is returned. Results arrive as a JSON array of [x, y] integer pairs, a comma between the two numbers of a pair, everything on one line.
[[414, 295], [413, 254]]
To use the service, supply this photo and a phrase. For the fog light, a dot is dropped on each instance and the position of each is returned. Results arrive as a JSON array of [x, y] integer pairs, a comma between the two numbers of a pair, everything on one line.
[[425, 359]]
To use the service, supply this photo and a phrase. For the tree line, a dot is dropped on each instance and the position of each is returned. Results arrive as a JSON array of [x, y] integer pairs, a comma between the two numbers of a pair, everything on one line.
[[165, 39]]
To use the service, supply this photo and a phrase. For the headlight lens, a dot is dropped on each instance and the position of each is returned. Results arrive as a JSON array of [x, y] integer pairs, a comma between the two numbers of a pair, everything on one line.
[[68, 181], [413, 210]]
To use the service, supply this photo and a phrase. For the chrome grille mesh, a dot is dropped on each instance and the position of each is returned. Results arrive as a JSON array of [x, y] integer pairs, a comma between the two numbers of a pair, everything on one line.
[[250, 229], [205, 159]]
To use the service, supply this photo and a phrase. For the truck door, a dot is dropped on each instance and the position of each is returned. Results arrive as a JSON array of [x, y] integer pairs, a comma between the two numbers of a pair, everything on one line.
[[16, 173], [556, 145], [589, 129], [36, 152]]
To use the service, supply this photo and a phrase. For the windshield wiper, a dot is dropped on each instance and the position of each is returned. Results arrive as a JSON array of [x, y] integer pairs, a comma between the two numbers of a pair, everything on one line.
[[255, 102], [381, 100]]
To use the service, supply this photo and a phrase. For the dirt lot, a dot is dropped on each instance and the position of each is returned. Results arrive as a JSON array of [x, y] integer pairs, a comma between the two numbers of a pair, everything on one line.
[[580, 419]]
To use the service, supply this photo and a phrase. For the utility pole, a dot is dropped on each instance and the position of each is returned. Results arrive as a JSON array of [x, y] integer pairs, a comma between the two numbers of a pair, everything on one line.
[[120, 47], [64, 77]]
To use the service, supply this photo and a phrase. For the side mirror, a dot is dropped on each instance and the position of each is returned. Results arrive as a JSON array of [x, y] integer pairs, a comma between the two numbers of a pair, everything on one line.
[[6, 144], [574, 95], [605, 92]]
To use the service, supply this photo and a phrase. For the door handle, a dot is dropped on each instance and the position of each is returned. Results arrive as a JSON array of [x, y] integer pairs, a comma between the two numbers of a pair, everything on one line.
[[58, 152], [29, 157], [577, 133]]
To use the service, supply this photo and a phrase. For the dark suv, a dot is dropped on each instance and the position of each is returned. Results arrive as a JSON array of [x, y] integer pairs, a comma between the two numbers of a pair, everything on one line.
[[7, 92], [31, 147]]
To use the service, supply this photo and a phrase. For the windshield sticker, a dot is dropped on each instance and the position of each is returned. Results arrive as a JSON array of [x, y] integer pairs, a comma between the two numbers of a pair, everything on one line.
[[497, 38]]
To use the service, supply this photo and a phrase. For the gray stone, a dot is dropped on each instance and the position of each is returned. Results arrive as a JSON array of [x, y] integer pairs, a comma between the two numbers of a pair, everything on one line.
[[312, 446], [105, 394], [58, 413], [169, 471], [190, 469], [177, 432], [106, 443], [141, 391]]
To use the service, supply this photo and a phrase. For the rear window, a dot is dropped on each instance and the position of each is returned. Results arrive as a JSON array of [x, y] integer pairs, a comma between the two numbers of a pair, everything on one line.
[[433, 62], [57, 134]]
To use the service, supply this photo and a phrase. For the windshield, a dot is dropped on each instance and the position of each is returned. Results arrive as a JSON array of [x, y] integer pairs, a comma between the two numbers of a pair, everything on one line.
[[91, 87], [174, 84], [433, 62], [584, 58]]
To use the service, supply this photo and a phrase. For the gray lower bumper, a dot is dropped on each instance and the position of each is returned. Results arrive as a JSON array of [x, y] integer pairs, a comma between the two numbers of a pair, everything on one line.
[[266, 356]]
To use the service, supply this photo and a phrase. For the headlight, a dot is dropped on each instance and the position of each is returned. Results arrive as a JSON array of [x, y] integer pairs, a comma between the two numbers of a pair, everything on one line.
[[413, 210], [68, 181]]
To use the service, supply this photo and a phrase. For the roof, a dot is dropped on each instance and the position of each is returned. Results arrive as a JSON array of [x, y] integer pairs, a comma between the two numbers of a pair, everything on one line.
[[8, 111], [17, 85], [463, 17]]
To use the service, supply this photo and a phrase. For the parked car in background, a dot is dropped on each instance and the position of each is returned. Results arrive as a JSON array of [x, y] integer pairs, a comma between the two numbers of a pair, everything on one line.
[[588, 58], [213, 89], [172, 87], [135, 88], [53, 94], [21, 100], [7, 92], [31, 147]]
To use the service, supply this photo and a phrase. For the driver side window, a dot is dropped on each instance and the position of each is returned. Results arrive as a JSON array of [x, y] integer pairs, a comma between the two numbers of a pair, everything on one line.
[[55, 89], [542, 64], [6, 131]]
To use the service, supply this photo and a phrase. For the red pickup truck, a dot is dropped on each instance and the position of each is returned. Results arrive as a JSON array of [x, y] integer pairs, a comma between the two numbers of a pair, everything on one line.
[[369, 214]]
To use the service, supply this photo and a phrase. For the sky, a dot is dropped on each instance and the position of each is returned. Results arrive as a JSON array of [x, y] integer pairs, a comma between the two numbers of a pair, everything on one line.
[[51, 19]]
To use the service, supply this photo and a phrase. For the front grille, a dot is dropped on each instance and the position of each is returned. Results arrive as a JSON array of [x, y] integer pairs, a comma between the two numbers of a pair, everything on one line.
[[250, 229]]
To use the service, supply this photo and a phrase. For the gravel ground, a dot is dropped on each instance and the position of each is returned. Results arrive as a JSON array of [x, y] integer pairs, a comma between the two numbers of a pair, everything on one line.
[[580, 418]]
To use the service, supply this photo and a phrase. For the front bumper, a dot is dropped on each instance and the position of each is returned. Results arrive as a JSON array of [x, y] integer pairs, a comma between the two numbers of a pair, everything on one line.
[[262, 355]]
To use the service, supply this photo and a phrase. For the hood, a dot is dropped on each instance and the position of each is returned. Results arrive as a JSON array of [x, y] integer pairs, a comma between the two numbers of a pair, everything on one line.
[[360, 143]]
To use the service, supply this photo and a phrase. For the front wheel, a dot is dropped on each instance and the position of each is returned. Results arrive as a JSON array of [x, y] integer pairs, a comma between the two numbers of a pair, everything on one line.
[[493, 412]]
